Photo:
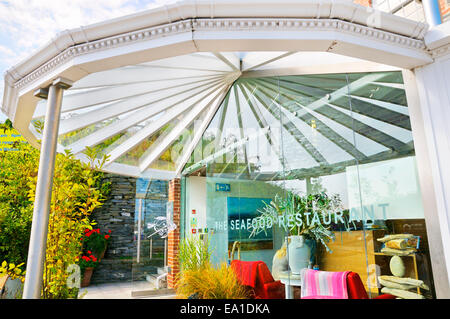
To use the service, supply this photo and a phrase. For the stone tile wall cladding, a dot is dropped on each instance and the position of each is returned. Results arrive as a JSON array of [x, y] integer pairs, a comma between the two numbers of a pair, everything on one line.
[[118, 215]]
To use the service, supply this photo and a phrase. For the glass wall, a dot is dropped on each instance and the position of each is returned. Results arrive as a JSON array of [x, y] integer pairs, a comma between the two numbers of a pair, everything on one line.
[[150, 234], [313, 172]]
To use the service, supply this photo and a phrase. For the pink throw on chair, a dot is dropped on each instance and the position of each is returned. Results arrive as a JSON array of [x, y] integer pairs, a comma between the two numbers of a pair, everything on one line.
[[318, 284]]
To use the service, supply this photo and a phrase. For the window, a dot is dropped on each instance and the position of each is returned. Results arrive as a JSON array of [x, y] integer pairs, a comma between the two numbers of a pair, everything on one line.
[[333, 152]]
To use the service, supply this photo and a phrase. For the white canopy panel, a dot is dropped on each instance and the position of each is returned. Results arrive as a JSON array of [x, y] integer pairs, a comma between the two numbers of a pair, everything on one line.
[[151, 118]]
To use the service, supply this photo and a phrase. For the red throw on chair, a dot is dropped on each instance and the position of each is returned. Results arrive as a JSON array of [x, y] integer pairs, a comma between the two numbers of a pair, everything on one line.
[[356, 289], [256, 275]]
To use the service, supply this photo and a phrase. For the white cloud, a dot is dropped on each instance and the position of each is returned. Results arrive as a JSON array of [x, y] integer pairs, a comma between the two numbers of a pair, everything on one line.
[[26, 25], [30, 23]]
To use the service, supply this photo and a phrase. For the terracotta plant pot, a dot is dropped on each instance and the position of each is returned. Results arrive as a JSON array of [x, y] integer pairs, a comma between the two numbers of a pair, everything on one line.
[[87, 276], [100, 255]]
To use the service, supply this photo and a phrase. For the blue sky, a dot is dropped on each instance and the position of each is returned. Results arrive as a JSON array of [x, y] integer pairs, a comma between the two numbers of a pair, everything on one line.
[[26, 25]]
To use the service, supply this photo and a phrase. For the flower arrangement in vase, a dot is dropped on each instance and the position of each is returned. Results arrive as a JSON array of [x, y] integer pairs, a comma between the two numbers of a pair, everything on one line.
[[305, 219]]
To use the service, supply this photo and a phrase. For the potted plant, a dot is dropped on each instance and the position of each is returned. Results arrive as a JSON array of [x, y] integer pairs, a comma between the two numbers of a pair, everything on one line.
[[96, 242], [87, 265], [94, 247], [200, 279], [305, 219]]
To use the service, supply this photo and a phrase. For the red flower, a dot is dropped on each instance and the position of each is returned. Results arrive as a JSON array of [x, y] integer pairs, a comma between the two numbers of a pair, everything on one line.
[[109, 231], [93, 258], [89, 252], [106, 236]]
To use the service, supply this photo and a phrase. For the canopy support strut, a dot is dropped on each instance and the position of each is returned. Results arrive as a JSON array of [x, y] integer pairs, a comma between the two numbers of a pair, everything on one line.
[[38, 238]]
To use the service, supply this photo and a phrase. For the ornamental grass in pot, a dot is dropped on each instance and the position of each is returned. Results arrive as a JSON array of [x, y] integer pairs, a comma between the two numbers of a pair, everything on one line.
[[200, 279]]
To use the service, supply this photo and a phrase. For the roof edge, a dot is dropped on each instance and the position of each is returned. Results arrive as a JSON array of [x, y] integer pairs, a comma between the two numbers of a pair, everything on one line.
[[191, 9], [438, 36]]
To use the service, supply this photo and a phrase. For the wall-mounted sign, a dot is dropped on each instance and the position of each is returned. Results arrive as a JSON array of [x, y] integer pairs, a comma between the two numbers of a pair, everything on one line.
[[242, 212], [193, 222], [169, 211], [221, 187]]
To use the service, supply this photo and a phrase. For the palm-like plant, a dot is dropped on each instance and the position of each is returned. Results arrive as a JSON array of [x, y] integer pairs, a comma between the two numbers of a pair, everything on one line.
[[291, 210]]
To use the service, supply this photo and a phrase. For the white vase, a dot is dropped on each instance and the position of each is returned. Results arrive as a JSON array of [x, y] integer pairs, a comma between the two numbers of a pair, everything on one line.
[[299, 254]]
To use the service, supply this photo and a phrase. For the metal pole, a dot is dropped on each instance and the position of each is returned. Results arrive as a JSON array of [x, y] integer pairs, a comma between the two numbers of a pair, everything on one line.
[[138, 253], [38, 238], [151, 248], [165, 252], [432, 12]]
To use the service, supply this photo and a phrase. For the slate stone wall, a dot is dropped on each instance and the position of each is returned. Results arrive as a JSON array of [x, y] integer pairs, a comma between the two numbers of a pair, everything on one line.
[[118, 215]]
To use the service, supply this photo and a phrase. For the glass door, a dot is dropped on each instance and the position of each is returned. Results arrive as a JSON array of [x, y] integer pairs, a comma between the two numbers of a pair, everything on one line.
[[150, 236]]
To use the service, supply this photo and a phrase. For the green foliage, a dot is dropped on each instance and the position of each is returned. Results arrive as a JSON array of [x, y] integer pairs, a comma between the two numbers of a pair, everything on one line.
[[89, 261], [293, 206], [193, 253], [198, 278], [209, 282], [75, 196], [12, 270], [77, 191], [7, 125], [94, 241], [16, 208]]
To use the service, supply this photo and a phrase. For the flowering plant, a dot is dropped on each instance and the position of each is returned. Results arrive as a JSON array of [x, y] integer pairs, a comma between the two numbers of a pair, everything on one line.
[[95, 241], [87, 261]]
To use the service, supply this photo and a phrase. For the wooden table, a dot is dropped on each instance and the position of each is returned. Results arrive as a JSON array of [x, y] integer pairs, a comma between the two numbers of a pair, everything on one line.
[[290, 280]]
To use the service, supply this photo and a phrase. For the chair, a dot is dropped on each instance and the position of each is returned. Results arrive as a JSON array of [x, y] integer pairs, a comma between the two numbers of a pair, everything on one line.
[[356, 289], [256, 275], [331, 285]]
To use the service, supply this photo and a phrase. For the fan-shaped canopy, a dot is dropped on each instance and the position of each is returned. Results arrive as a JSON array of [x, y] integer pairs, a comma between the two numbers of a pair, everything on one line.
[[175, 88], [149, 118]]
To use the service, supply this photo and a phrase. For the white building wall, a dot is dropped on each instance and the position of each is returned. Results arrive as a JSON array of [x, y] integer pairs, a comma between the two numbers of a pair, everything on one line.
[[430, 117]]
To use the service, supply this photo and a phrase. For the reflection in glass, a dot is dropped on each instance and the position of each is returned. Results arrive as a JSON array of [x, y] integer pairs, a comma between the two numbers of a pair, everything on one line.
[[332, 152]]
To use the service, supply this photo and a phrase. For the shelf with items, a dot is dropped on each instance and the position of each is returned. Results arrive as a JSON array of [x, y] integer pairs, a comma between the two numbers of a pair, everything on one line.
[[397, 256], [408, 265]]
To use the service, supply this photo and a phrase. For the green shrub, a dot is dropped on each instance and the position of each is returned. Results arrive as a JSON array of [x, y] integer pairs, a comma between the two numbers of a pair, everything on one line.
[[77, 191], [16, 208]]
